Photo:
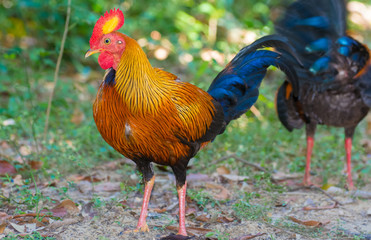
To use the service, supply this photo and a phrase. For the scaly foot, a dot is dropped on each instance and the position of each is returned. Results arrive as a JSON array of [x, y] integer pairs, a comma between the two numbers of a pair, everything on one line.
[[143, 228]]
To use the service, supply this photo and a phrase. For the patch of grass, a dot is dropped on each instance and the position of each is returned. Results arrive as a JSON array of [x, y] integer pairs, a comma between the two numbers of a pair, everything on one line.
[[308, 232], [263, 181], [98, 202], [25, 197], [33, 236], [249, 209], [218, 235], [202, 198]]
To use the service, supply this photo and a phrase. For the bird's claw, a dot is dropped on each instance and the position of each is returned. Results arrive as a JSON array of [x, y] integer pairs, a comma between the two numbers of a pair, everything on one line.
[[351, 187], [143, 228]]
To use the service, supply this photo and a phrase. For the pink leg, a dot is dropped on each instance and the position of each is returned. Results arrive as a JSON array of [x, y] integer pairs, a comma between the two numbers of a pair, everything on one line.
[[182, 195], [348, 150], [142, 224], [310, 143]]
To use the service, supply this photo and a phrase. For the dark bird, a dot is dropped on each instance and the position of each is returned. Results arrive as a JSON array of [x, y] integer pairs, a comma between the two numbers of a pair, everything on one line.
[[335, 83], [150, 115]]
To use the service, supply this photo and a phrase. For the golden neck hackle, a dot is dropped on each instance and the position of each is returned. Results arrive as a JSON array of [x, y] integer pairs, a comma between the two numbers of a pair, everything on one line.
[[137, 82]]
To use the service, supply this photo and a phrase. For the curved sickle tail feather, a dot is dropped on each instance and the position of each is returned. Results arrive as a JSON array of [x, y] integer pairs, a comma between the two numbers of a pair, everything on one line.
[[236, 88]]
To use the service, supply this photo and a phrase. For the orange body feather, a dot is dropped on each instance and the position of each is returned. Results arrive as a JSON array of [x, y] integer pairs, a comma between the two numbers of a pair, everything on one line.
[[148, 111]]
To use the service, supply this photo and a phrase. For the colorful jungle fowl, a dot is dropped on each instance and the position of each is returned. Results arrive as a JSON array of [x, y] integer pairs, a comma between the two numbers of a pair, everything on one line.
[[150, 115]]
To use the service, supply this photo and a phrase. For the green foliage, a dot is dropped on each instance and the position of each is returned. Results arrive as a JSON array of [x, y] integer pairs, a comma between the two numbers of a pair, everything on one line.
[[247, 209], [33, 236], [202, 198], [218, 235]]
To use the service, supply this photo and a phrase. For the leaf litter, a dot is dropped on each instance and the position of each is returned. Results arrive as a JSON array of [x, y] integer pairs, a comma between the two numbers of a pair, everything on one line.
[[96, 205]]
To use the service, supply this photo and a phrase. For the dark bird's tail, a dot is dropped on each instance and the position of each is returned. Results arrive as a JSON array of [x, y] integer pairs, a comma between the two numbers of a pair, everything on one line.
[[316, 29], [236, 88]]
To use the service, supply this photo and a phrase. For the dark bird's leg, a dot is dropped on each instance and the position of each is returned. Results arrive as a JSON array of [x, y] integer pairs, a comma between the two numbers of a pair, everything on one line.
[[181, 185], [149, 180], [310, 130], [349, 132]]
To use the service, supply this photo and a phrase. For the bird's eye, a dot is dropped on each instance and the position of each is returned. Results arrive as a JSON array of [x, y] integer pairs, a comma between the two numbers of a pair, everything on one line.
[[107, 41]]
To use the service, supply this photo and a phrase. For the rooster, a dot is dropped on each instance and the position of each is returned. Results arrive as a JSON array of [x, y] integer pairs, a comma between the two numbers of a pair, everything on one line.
[[150, 115], [335, 83]]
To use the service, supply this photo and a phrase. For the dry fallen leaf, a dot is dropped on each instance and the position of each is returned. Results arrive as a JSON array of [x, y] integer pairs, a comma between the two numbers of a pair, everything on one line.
[[224, 219], [246, 237], [6, 168], [69, 205], [282, 176], [235, 178], [65, 207], [25, 150], [223, 170], [85, 187], [158, 210], [224, 194], [108, 187], [203, 218], [2, 227], [18, 180], [36, 164], [197, 177], [25, 228], [90, 178], [56, 212], [65, 222], [189, 211], [3, 217], [309, 223]]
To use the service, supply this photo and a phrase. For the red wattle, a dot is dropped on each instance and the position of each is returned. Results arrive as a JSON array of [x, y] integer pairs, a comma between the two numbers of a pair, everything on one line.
[[105, 60]]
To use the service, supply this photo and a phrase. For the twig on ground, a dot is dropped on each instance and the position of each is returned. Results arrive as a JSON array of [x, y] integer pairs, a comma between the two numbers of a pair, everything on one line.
[[324, 192], [309, 208], [256, 166], [57, 69], [31, 215], [64, 222], [222, 159]]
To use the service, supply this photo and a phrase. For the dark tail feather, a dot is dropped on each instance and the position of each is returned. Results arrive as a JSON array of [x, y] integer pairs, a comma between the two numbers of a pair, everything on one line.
[[364, 85], [312, 25], [236, 88], [278, 42], [317, 31], [286, 109]]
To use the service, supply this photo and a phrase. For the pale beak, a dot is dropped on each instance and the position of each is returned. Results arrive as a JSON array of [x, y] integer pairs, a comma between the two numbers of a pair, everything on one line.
[[91, 52]]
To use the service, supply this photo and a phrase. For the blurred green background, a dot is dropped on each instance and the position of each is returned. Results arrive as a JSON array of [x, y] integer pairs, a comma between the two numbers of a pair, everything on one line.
[[190, 38]]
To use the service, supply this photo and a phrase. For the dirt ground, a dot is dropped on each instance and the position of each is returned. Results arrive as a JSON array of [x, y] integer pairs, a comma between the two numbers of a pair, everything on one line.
[[98, 209]]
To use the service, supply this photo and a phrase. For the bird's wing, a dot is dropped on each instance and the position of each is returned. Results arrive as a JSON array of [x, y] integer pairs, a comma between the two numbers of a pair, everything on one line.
[[199, 117]]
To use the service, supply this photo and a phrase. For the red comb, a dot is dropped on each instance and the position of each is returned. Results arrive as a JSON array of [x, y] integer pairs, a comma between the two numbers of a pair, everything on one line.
[[109, 22]]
